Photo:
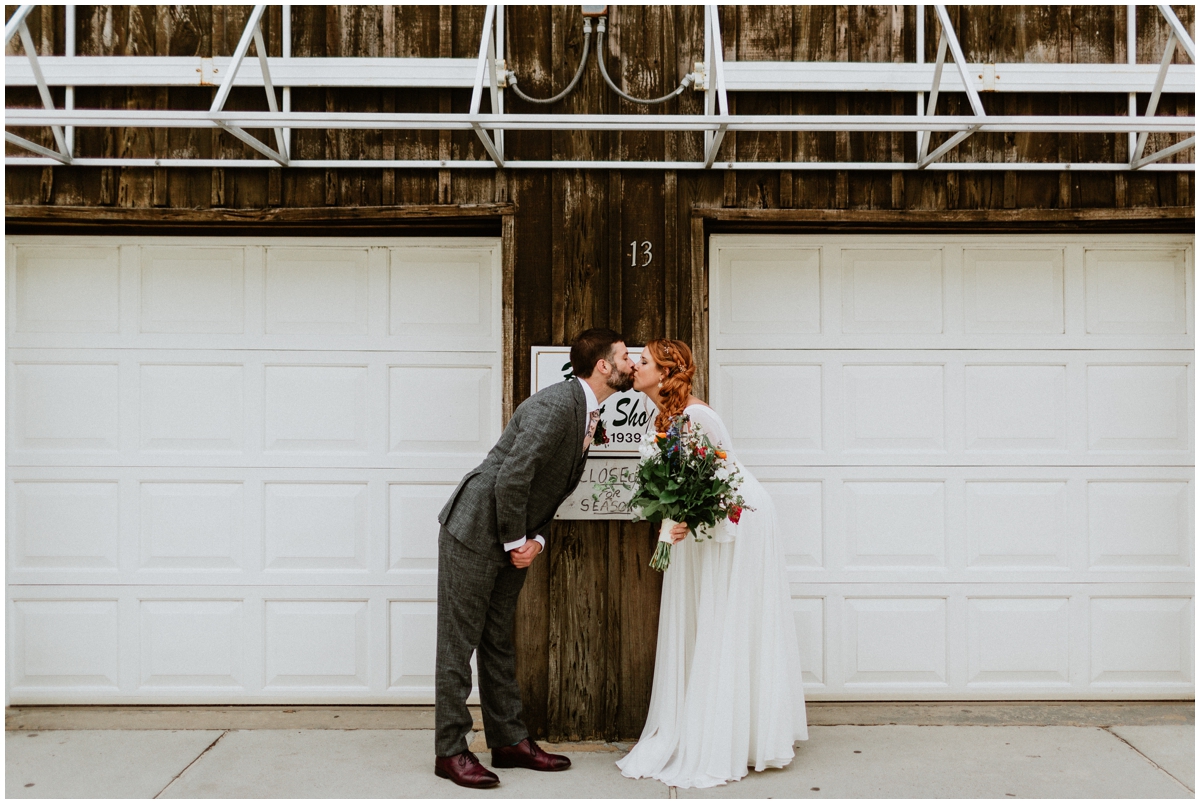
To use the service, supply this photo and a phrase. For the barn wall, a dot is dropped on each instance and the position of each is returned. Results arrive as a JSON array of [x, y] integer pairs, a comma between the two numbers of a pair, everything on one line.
[[587, 618]]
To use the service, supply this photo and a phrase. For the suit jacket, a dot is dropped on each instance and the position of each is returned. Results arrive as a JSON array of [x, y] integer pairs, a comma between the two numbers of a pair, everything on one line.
[[533, 468]]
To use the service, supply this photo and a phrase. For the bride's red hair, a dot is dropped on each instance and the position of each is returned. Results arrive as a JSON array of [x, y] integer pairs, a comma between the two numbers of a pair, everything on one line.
[[675, 358]]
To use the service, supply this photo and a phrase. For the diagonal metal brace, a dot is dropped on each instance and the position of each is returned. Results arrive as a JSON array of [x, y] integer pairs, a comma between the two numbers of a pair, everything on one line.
[[487, 44], [1179, 38], [252, 33], [43, 88], [717, 62], [948, 40]]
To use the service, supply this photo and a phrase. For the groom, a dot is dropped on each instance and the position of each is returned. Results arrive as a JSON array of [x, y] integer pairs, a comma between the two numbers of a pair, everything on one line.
[[491, 532]]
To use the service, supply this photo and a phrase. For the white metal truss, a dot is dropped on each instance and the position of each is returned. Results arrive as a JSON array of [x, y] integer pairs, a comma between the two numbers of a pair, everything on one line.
[[486, 72]]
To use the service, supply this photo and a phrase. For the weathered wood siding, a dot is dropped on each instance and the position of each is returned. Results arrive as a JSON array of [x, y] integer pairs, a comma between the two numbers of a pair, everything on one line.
[[588, 615]]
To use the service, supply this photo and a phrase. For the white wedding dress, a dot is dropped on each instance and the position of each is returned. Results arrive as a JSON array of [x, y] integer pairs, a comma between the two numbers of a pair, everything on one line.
[[727, 692]]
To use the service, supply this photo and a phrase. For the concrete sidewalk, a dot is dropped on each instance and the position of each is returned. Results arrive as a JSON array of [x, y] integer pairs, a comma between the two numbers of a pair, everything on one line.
[[854, 751]]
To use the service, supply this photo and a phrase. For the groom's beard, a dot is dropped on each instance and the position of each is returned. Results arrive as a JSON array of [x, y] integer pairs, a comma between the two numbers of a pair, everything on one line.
[[620, 382]]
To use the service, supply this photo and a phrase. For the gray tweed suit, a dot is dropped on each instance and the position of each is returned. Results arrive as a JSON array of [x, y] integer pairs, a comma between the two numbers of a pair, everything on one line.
[[532, 469]]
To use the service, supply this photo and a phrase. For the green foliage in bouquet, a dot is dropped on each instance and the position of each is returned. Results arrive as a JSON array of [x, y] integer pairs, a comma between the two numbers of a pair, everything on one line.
[[684, 478]]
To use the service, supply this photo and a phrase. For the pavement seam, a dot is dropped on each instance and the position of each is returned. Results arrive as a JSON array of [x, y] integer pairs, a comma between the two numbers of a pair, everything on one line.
[[193, 762], [1148, 759]]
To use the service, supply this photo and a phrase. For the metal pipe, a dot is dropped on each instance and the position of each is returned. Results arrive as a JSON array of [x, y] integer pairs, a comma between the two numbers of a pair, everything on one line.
[[684, 84], [587, 47]]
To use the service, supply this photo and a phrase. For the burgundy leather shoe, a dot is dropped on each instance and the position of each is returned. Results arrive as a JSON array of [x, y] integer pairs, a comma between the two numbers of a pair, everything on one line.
[[465, 770], [526, 754]]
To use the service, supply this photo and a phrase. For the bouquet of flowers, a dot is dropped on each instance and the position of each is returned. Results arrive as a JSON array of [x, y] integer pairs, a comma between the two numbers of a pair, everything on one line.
[[682, 477]]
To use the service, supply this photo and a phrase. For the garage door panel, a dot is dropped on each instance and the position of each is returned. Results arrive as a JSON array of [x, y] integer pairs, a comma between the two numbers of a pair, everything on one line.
[[65, 289], [192, 644], [200, 290], [189, 407], [59, 525], [317, 291], [1142, 641], [952, 292], [193, 525], [933, 407], [994, 641], [206, 643], [60, 407], [1014, 291], [869, 524], [1139, 407], [225, 293], [252, 408], [1014, 524], [1018, 642], [1134, 524], [1136, 290]]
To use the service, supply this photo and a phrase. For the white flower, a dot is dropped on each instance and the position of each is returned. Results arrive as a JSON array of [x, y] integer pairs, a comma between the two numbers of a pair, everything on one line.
[[648, 450], [722, 472]]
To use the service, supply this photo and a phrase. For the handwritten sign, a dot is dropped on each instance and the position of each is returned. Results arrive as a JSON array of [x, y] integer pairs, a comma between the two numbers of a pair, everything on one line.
[[626, 417], [611, 504]]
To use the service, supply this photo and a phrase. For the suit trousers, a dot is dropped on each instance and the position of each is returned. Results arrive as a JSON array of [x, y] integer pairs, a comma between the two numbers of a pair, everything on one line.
[[476, 603]]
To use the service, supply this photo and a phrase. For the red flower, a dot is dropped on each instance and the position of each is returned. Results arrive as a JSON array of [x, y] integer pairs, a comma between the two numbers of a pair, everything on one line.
[[735, 514], [700, 451]]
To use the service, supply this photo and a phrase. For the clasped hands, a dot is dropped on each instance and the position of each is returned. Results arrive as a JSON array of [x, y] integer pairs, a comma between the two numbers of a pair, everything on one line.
[[523, 556]]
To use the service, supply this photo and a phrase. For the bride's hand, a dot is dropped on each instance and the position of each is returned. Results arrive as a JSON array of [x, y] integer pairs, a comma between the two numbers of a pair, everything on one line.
[[679, 530]]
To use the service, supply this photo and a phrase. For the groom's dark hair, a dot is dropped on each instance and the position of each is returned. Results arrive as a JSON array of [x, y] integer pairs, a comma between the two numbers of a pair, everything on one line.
[[591, 346]]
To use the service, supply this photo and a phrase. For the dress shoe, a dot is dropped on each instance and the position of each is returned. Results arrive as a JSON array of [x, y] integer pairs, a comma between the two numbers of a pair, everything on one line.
[[526, 754], [465, 770]]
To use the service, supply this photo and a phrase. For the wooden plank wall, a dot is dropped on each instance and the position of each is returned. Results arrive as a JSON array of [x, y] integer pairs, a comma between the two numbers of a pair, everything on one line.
[[587, 618]]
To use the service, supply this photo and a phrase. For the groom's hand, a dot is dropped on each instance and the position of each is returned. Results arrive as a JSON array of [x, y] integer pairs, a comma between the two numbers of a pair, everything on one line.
[[523, 556]]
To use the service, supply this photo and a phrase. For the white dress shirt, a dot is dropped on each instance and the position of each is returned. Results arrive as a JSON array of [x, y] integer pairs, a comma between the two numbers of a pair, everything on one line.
[[592, 404]]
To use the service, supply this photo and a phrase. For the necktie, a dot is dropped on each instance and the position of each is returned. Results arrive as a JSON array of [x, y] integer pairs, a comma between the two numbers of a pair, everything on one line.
[[593, 422]]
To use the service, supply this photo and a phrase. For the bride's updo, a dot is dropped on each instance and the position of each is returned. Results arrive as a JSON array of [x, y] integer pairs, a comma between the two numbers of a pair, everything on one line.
[[675, 358]]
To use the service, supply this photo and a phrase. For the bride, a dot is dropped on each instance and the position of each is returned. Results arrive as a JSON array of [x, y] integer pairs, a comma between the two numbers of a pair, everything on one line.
[[727, 693]]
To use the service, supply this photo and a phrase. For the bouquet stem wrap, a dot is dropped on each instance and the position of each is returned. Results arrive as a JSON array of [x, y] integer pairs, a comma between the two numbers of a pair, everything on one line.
[[662, 553]]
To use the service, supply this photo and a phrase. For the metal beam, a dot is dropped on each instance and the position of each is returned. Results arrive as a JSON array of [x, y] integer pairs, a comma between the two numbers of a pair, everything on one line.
[[239, 54], [14, 22], [43, 90], [740, 76], [28, 145], [948, 39], [717, 76], [272, 104], [489, 19], [1190, 142], [960, 61], [923, 137], [151, 118], [1152, 105], [1181, 33], [575, 164]]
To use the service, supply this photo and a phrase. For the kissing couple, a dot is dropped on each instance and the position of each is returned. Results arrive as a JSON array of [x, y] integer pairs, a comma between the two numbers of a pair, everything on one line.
[[727, 694]]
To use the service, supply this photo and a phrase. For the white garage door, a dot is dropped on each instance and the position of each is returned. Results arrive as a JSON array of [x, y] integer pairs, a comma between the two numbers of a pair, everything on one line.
[[225, 460], [981, 449]]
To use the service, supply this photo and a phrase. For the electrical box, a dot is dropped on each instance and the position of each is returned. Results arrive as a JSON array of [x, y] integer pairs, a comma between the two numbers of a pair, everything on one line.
[[595, 11]]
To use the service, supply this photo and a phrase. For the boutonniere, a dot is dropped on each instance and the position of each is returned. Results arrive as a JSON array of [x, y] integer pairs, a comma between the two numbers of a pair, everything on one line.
[[601, 437]]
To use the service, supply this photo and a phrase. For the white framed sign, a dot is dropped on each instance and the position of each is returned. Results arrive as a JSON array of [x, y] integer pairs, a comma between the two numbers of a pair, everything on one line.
[[626, 417]]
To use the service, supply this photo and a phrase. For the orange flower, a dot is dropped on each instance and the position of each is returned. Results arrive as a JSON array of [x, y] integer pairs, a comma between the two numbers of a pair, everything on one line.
[[661, 435], [721, 454]]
